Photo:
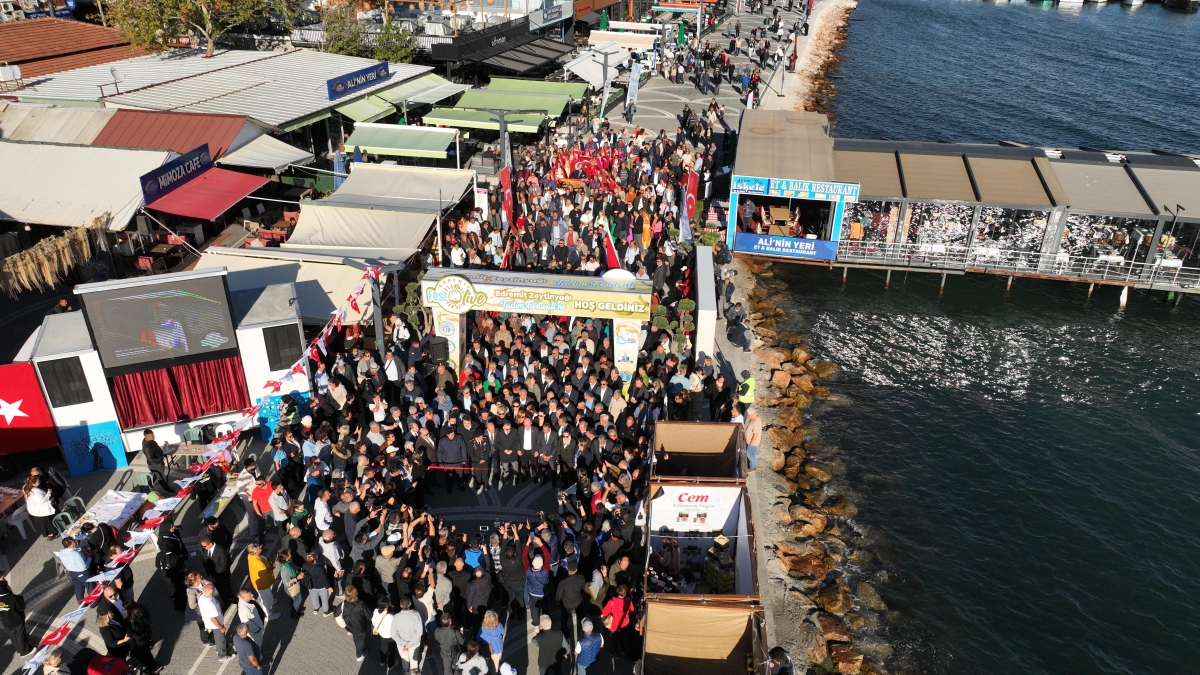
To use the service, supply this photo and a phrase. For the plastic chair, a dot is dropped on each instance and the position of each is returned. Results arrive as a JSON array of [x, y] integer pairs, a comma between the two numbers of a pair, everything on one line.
[[62, 522], [193, 435], [18, 519], [141, 480], [75, 507]]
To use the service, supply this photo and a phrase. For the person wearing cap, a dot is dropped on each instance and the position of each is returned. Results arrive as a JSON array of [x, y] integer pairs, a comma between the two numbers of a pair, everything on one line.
[[536, 581], [587, 648], [452, 456]]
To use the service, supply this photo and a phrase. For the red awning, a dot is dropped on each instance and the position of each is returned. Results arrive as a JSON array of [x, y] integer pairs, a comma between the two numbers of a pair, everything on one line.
[[208, 195]]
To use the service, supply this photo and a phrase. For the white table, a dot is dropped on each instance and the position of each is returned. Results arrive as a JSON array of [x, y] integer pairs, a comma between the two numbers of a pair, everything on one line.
[[116, 508]]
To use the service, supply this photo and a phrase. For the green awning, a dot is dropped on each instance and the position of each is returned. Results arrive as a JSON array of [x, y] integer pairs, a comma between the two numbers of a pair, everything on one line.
[[304, 121], [401, 141], [427, 88], [481, 119], [575, 90], [507, 100], [366, 109]]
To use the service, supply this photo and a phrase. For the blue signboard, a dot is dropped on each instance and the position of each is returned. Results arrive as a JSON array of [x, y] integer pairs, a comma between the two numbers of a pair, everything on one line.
[[786, 247], [175, 173], [345, 85], [795, 189]]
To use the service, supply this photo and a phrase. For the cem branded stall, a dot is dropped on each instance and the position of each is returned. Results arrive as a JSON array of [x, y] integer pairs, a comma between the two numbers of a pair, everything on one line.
[[699, 449], [709, 521], [784, 201], [170, 353]]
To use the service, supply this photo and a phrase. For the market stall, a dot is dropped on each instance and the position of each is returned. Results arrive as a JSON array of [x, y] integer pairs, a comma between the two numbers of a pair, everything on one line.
[[706, 525], [701, 449], [717, 637]]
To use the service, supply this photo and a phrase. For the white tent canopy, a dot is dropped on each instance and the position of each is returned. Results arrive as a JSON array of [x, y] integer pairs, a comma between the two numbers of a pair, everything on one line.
[[322, 282], [590, 65], [635, 41], [72, 185], [402, 187], [266, 152], [330, 227]]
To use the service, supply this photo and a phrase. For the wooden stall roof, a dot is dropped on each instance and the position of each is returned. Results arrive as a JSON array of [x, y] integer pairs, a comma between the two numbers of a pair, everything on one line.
[[875, 172], [1008, 181], [942, 177]]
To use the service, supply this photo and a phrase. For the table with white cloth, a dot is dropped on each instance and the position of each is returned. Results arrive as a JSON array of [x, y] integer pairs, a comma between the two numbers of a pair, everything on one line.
[[117, 508]]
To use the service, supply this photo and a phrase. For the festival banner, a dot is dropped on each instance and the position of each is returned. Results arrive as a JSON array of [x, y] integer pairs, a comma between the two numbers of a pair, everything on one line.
[[506, 185], [635, 80]]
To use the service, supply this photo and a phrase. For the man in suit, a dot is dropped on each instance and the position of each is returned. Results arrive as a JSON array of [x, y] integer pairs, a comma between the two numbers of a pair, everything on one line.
[[546, 447], [156, 463], [217, 566]]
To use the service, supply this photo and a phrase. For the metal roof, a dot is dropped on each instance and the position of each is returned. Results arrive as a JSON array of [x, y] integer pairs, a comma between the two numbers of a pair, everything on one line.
[[181, 132], [875, 172], [402, 140], [275, 303], [72, 185], [1102, 188], [1171, 186], [274, 88], [51, 124], [65, 333], [1008, 181], [48, 45], [784, 144], [942, 177]]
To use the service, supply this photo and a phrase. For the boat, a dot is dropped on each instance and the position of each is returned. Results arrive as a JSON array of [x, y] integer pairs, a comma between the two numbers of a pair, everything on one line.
[[1070, 2], [1132, 3], [1185, 5]]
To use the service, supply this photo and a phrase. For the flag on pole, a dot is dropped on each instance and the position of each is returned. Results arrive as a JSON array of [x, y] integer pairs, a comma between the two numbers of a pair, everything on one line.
[[610, 252]]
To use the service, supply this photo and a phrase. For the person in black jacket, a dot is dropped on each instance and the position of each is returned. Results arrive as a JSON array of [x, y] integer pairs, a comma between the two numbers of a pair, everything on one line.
[[143, 638], [479, 598], [570, 595], [117, 641], [216, 566], [452, 455], [12, 615], [156, 463], [358, 621], [172, 560]]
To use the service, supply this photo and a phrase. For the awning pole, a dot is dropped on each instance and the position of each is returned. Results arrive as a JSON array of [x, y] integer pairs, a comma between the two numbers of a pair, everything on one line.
[[457, 150], [160, 224], [441, 249]]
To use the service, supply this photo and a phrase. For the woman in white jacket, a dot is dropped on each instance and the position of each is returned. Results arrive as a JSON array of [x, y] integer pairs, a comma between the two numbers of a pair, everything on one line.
[[381, 621], [471, 662], [40, 507]]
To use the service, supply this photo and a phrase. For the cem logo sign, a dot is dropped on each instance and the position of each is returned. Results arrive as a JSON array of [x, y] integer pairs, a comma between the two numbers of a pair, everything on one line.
[[455, 294], [345, 85], [161, 181], [499, 40]]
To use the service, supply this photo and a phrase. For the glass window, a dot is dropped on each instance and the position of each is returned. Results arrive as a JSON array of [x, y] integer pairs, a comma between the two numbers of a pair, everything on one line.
[[871, 221], [283, 346], [931, 223], [1011, 229], [65, 382]]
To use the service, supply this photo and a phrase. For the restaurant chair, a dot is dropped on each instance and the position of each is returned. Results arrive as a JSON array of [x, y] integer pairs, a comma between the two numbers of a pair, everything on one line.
[[171, 239], [292, 217], [272, 235], [18, 518], [142, 480], [75, 507], [62, 522], [260, 208]]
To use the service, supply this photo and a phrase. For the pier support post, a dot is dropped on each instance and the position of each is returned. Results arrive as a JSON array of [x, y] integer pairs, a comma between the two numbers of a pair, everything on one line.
[[1124, 296], [845, 270], [1178, 298], [1091, 287], [1009, 287], [942, 288], [888, 281]]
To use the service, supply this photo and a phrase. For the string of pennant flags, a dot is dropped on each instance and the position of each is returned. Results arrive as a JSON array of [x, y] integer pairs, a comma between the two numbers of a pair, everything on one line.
[[317, 349]]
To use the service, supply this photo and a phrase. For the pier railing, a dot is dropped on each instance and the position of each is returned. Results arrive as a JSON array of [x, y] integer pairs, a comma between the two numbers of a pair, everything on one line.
[[1111, 269]]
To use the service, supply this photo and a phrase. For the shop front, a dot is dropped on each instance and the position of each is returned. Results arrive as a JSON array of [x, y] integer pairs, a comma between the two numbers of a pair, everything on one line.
[[509, 46], [785, 200]]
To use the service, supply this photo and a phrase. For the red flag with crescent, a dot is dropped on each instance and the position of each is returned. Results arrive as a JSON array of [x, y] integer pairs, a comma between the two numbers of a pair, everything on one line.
[[298, 367], [693, 187], [56, 636], [273, 385], [506, 185], [354, 303], [94, 595], [126, 556]]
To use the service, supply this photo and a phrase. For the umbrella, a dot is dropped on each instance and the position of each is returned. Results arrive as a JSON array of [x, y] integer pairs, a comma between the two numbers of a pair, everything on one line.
[[680, 34], [604, 19]]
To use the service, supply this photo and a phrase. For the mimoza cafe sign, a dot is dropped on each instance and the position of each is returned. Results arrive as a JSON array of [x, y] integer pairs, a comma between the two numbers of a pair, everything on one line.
[[459, 293], [157, 183]]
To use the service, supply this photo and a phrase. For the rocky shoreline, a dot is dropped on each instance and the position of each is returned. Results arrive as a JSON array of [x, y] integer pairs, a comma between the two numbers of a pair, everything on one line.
[[819, 560], [822, 56]]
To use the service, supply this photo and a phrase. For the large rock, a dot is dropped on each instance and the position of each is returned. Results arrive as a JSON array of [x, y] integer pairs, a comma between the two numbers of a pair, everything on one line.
[[778, 461], [765, 306], [820, 392], [791, 417], [784, 548], [801, 513], [801, 603], [802, 400], [808, 565], [843, 508], [800, 355], [819, 471], [846, 660], [780, 379], [767, 325], [832, 628], [803, 382], [821, 369], [784, 439], [769, 357], [869, 597], [811, 644], [835, 600], [806, 530]]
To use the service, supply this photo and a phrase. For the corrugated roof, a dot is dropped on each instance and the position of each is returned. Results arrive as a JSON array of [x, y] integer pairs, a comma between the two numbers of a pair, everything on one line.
[[936, 177], [1008, 181], [71, 185], [274, 89], [181, 132], [784, 144], [1168, 187], [479, 99], [1104, 188], [875, 172], [48, 45], [51, 124], [481, 119], [84, 84]]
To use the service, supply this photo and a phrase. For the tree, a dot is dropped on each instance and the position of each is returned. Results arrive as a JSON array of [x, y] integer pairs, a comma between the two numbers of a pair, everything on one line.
[[395, 44], [155, 24], [343, 32]]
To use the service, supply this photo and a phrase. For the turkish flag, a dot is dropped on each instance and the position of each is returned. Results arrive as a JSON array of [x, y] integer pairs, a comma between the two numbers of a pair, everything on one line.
[[56, 636], [507, 202], [693, 188], [25, 422]]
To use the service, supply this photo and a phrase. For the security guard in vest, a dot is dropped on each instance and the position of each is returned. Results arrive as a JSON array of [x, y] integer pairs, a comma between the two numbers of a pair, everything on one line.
[[745, 389]]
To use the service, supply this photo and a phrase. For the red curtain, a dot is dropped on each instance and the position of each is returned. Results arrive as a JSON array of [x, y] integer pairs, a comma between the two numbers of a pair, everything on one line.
[[211, 387], [164, 395]]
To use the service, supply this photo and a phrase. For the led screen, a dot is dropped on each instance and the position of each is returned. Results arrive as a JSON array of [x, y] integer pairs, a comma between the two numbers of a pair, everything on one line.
[[176, 322]]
